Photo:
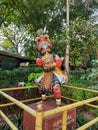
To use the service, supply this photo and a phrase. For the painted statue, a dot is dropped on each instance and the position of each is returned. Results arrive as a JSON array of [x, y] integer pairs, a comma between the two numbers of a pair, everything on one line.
[[53, 76]]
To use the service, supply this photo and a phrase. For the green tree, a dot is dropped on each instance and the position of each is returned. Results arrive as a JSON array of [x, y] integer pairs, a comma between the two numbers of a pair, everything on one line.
[[35, 14], [48, 15], [15, 39], [83, 42]]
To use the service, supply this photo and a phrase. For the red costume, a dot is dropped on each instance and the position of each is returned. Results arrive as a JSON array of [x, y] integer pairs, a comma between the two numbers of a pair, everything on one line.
[[53, 77]]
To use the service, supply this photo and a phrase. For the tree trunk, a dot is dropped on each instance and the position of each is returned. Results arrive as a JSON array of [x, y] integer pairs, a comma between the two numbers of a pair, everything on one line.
[[97, 54], [67, 39]]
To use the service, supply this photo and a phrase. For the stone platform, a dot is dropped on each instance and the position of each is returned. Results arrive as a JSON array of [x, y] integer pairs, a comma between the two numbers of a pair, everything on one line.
[[52, 122]]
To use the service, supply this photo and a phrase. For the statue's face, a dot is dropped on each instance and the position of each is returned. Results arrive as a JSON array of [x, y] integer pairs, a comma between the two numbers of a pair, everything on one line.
[[45, 49]]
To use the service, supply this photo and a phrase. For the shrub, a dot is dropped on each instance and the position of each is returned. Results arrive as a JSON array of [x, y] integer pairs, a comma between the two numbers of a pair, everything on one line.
[[17, 75], [82, 120]]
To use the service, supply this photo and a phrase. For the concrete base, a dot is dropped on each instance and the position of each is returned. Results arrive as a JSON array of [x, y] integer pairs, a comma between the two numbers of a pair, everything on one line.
[[52, 122]]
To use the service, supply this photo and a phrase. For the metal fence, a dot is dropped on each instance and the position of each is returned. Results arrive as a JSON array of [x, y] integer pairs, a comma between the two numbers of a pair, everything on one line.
[[40, 115]]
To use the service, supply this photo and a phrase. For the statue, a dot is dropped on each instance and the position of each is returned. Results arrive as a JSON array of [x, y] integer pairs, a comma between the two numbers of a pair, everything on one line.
[[53, 76]]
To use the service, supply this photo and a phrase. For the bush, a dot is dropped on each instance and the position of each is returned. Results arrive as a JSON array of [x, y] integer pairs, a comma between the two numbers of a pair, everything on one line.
[[77, 79], [82, 120], [17, 75]]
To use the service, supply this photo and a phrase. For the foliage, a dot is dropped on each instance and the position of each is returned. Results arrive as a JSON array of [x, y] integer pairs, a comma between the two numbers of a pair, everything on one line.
[[91, 75], [32, 78], [50, 16], [18, 120], [82, 42], [81, 120], [94, 111], [20, 74], [15, 39], [77, 79], [7, 13], [36, 14], [5, 127], [82, 8], [78, 95], [88, 95], [30, 49], [59, 44], [42, 14], [77, 73], [82, 95]]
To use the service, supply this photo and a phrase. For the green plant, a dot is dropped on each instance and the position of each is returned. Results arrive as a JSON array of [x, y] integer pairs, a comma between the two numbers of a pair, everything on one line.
[[5, 127], [18, 120], [81, 120], [76, 80], [92, 75], [78, 95], [94, 111], [17, 75], [88, 94], [66, 91], [32, 77]]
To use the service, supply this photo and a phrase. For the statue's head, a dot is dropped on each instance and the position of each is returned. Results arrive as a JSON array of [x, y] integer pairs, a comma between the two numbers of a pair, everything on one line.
[[43, 44]]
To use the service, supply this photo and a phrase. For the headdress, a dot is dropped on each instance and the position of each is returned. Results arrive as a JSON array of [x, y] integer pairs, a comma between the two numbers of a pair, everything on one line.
[[42, 41]]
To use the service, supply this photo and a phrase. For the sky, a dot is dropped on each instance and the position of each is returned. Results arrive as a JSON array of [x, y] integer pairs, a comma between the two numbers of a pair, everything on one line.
[[96, 15]]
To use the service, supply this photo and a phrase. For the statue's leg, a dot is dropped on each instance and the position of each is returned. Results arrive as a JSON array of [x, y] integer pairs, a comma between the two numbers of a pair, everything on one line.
[[44, 97], [57, 94], [42, 93]]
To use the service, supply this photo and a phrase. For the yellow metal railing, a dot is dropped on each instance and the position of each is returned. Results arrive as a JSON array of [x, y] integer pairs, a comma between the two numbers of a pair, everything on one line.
[[88, 90], [93, 106], [18, 103], [84, 127], [8, 121], [40, 115]]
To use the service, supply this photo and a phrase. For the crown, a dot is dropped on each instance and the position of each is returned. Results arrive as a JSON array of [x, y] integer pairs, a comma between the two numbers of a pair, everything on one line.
[[42, 41]]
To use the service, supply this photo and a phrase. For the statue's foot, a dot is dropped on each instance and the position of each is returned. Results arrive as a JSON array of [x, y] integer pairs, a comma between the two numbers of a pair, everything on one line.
[[40, 106], [58, 102], [44, 98]]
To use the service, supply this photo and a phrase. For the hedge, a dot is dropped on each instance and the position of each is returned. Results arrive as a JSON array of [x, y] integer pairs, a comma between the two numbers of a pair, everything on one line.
[[10, 77]]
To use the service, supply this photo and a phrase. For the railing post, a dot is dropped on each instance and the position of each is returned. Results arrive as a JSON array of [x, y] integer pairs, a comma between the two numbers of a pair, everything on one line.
[[13, 127], [64, 120], [39, 118]]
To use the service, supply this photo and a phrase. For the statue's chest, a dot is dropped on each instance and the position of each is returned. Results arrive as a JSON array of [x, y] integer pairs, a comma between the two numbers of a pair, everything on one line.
[[48, 59]]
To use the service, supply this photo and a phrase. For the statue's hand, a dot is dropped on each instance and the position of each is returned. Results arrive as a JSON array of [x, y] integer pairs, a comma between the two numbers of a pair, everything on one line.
[[49, 66]]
